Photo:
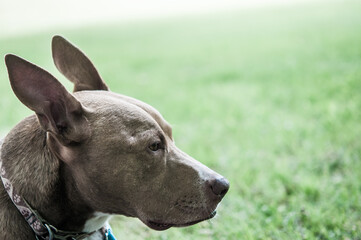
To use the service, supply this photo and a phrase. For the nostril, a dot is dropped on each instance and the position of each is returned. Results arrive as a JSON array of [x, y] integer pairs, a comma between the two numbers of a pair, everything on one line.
[[219, 186], [223, 192]]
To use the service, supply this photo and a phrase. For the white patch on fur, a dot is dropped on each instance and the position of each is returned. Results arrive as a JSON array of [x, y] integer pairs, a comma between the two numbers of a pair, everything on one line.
[[97, 221]]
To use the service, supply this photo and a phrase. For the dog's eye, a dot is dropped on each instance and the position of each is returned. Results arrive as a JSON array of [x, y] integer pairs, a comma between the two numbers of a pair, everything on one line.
[[155, 146]]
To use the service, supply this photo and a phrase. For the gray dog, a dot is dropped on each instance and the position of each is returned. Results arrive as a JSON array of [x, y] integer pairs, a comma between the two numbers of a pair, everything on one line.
[[86, 156]]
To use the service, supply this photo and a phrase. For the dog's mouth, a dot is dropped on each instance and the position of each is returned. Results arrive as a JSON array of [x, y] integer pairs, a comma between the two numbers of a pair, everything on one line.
[[163, 226]]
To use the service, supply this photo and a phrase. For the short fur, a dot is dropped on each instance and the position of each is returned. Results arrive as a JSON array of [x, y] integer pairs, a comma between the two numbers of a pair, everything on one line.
[[88, 155]]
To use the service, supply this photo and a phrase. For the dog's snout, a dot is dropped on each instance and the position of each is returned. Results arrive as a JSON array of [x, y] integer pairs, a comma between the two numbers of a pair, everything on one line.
[[219, 186]]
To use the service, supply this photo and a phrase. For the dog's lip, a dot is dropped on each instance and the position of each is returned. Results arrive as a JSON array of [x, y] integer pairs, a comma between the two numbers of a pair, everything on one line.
[[163, 226], [158, 226]]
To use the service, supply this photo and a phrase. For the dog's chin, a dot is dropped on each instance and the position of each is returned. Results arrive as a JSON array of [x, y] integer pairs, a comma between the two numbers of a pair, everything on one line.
[[161, 226]]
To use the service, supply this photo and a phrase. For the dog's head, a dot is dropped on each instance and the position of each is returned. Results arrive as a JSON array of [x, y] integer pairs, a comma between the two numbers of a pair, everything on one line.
[[119, 151]]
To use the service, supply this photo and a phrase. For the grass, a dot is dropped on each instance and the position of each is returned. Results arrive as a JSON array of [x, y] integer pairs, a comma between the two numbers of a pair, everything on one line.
[[270, 98]]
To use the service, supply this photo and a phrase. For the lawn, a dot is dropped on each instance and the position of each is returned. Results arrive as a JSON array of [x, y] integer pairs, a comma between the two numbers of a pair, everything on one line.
[[268, 97]]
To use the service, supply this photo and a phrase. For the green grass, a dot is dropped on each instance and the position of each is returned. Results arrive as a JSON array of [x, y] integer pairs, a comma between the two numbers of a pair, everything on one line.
[[270, 98]]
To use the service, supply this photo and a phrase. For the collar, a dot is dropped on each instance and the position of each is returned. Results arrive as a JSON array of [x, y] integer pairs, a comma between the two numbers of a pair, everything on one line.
[[42, 229]]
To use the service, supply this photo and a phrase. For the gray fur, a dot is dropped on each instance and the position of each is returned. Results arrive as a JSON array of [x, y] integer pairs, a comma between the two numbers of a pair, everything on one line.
[[92, 153]]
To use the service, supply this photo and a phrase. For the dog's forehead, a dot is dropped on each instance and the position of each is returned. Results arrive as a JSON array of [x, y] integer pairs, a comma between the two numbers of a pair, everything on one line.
[[114, 103]]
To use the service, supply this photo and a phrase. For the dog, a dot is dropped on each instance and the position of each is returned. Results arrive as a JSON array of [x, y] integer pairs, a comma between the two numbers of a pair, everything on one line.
[[91, 154]]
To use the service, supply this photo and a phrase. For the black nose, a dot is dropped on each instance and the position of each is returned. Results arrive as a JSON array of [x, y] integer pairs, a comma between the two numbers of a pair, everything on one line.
[[219, 186]]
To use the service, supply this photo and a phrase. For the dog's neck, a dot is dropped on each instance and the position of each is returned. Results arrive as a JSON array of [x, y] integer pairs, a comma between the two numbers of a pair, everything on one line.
[[40, 178]]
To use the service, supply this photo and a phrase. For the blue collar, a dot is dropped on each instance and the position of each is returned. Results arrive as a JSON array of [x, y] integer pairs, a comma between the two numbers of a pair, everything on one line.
[[109, 234]]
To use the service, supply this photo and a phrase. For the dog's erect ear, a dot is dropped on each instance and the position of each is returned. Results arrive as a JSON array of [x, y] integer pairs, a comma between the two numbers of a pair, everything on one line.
[[58, 111], [75, 66]]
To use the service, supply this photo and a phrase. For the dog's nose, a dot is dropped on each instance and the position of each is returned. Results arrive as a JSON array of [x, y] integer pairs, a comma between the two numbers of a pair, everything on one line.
[[219, 186]]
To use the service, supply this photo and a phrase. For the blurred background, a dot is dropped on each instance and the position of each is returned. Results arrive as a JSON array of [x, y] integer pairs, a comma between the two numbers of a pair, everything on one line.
[[265, 92]]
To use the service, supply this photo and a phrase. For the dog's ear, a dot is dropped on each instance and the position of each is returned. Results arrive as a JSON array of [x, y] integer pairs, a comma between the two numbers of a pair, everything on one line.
[[58, 111], [75, 66]]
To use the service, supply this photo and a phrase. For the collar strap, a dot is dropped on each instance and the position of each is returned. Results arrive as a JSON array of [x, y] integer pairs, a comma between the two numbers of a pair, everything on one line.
[[42, 229]]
